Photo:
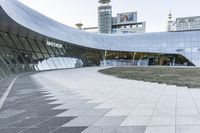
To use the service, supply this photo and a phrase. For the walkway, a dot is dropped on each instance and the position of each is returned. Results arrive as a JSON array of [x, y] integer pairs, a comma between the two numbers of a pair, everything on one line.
[[83, 100]]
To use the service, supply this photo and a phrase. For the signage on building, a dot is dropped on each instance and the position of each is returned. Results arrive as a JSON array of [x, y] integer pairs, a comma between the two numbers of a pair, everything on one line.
[[179, 50], [128, 17], [53, 44]]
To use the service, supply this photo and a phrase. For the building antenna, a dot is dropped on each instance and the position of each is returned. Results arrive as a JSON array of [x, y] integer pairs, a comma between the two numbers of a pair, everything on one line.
[[104, 1], [169, 22], [170, 16]]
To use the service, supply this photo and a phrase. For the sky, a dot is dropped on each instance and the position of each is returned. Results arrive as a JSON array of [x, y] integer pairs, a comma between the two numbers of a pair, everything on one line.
[[154, 12]]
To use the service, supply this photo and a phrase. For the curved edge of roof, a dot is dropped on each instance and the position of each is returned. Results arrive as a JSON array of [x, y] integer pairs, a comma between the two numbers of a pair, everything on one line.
[[41, 24]]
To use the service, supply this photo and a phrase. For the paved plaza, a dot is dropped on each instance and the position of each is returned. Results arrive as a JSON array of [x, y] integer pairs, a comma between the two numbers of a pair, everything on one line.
[[84, 100]]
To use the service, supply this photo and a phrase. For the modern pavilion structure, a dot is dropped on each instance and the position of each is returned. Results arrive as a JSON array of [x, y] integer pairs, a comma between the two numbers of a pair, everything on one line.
[[30, 41]]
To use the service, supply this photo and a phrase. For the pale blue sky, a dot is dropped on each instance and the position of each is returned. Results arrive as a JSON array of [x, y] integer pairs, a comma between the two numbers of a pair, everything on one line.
[[154, 12]]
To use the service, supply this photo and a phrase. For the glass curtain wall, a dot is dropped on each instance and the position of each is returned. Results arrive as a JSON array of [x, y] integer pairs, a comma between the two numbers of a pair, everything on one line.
[[116, 58], [22, 54]]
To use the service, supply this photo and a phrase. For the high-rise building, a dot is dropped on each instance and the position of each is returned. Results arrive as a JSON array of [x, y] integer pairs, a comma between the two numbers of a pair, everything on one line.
[[105, 17], [127, 23], [187, 23], [121, 24], [183, 23]]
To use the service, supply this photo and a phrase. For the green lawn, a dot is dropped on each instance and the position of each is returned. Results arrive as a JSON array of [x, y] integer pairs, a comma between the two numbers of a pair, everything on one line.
[[188, 77]]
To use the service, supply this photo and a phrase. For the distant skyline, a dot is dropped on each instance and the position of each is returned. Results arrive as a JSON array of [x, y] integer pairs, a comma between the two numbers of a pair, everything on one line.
[[154, 12]]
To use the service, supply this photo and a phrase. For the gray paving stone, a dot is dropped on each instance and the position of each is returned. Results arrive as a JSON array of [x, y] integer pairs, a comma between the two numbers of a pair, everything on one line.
[[55, 122], [70, 130], [5, 122], [87, 106], [160, 129], [11, 99], [47, 113], [81, 121], [4, 84], [39, 130], [136, 121], [73, 112], [9, 113], [109, 121], [29, 122], [11, 130], [187, 129], [136, 129], [188, 120], [100, 129], [162, 121], [42, 97], [96, 112]]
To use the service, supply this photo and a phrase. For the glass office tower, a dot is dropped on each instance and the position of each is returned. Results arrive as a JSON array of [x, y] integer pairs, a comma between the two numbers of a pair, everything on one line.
[[105, 18]]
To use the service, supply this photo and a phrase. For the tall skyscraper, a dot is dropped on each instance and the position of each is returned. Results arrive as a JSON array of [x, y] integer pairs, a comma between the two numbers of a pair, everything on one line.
[[105, 17]]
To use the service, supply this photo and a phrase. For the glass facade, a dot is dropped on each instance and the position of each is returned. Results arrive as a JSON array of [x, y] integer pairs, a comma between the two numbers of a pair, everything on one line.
[[114, 58], [20, 54], [105, 18], [24, 54]]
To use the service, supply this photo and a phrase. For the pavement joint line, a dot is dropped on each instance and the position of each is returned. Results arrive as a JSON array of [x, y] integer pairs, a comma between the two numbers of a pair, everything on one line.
[[5, 95]]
